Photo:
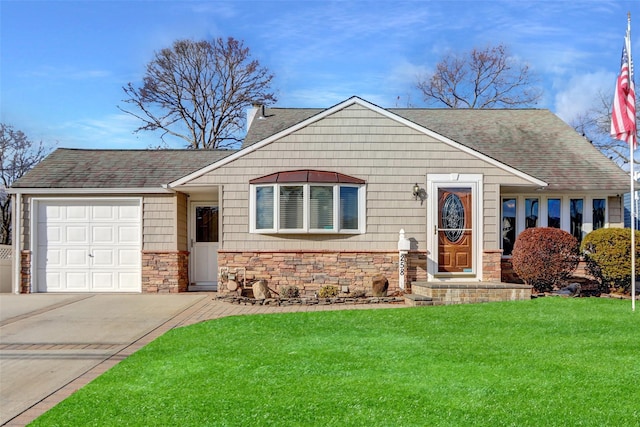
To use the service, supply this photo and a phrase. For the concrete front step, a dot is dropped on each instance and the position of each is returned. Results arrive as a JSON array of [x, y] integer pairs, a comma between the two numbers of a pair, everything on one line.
[[414, 300], [470, 292]]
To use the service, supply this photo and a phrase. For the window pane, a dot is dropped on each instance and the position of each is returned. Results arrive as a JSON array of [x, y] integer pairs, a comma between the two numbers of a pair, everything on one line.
[[206, 224], [264, 208], [508, 225], [321, 208], [576, 208], [348, 208], [599, 210], [531, 213], [291, 207], [553, 213]]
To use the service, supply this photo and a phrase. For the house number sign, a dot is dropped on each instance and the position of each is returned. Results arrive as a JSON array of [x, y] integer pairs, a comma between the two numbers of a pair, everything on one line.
[[403, 249]]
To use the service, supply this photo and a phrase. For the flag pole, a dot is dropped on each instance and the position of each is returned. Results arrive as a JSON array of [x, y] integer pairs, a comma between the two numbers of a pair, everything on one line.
[[632, 144]]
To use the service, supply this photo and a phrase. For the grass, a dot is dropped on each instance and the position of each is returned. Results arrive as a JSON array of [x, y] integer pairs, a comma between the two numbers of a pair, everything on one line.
[[544, 362]]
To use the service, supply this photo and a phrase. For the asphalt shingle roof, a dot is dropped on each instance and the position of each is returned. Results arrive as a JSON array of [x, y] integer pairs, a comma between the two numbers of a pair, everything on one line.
[[533, 141], [75, 168]]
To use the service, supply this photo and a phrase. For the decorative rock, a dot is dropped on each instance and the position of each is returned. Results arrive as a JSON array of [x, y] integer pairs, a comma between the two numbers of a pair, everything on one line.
[[379, 285], [261, 290]]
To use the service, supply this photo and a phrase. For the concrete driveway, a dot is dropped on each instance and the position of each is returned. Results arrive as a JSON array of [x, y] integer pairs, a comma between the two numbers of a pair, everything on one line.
[[49, 340]]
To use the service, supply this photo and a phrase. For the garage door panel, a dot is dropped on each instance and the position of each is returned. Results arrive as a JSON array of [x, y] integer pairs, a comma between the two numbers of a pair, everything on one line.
[[129, 234], [50, 235], [103, 258], [128, 213], [88, 245], [77, 213], [76, 234], [76, 258], [128, 281], [103, 280], [104, 213], [128, 258], [52, 257], [76, 281], [50, 212], [102, 234], [49, 280]]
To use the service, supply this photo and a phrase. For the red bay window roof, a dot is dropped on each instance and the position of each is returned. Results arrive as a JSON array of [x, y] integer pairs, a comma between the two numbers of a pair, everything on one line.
[[306, 176]]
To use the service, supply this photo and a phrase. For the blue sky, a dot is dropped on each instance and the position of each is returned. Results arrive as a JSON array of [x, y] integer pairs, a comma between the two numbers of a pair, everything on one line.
[[63, 63]]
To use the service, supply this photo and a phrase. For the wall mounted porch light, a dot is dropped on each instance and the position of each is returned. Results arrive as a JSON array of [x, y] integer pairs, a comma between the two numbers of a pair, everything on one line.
[[419, 193]]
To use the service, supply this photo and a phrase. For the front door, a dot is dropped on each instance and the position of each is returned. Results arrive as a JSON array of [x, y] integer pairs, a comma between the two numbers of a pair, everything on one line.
[[204, 246], [454, 230]]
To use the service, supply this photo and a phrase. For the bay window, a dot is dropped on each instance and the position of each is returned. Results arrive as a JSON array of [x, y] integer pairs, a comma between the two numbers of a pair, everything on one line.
[[333, 204]]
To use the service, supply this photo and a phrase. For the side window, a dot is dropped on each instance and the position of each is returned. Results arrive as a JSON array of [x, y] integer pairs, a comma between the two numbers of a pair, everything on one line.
[[553, 213], [576, 207], [531, 213], [508, 225], [264, 208], [599, 213]]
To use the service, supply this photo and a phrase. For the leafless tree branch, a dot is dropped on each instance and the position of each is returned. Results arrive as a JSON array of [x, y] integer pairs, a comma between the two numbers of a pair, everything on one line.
[[18, 154], [197, 91], [487, 78]]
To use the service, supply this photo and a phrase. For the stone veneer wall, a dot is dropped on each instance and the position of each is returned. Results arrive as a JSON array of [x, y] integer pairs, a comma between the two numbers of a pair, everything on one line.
[[310, 270], [25, 272], [165, 271]]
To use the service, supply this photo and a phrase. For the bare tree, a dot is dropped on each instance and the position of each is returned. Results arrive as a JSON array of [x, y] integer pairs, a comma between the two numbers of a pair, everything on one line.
[[18, 154], [595, 124], [487, 78], [197, 91]]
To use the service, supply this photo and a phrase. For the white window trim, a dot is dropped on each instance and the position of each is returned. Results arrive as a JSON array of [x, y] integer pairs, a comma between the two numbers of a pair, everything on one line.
[[306, 211]]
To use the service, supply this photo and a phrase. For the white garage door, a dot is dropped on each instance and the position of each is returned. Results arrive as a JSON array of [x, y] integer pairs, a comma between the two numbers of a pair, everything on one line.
[[88, 245]]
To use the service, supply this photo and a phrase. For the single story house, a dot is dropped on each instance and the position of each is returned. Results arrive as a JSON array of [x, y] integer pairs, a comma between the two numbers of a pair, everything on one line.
[[313, 197]]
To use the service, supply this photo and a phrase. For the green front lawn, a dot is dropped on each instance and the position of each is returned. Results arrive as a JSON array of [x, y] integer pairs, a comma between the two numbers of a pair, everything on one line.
[[544, 362]]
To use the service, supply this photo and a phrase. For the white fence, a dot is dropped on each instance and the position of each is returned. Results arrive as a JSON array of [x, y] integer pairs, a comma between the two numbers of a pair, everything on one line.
[[6, 268]]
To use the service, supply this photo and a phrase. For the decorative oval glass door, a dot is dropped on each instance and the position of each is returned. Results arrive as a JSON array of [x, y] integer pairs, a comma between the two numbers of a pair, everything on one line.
[[455, 242]]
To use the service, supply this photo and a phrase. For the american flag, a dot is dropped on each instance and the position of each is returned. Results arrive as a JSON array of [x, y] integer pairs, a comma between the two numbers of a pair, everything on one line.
[[623, 113]]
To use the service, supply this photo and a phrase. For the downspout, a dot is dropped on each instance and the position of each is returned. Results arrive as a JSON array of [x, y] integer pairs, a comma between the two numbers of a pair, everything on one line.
[[17, 233]]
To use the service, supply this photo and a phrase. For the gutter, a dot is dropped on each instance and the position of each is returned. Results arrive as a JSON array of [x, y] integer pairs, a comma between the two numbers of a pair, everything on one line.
[[63, 191]]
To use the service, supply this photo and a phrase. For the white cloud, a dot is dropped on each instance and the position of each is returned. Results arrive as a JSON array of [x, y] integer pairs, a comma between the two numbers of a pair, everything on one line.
[[69, 72], [581, 94], [110, 131]]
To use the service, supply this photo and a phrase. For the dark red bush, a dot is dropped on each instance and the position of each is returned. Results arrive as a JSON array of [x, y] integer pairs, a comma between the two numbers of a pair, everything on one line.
[[545, 257]]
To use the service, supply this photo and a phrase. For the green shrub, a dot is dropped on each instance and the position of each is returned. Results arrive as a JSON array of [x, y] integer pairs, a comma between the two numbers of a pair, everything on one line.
[[607, 252], [328, 291], [290, 291], [545, 257]]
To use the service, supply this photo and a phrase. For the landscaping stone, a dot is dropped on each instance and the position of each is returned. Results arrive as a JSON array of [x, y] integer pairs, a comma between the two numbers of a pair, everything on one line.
[[234, 299], [261, 290], [379, 285]]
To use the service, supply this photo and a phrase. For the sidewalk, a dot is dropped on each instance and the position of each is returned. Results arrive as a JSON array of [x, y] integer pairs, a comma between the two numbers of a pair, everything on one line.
[[206, 308]]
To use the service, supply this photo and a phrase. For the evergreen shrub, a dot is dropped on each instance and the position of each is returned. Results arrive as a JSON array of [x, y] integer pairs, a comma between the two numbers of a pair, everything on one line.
[[545, 257], [328, 291], [607, 252], [290, 291]]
